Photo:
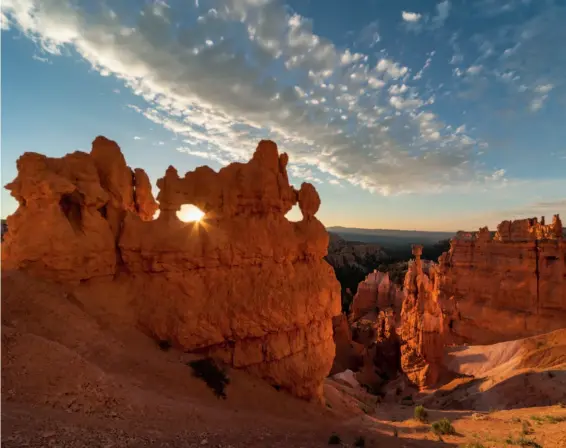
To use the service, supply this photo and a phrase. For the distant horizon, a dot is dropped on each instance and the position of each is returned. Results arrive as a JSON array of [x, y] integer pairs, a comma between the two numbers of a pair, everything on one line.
[[405, 115]]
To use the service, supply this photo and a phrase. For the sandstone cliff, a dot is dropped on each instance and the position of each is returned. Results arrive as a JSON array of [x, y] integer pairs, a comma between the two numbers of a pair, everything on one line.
[[485, 289], [517, 277], [376, 292], [244, 284]]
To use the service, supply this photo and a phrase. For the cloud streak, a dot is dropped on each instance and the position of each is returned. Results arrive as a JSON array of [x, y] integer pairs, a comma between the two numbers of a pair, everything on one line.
[[250, 69]]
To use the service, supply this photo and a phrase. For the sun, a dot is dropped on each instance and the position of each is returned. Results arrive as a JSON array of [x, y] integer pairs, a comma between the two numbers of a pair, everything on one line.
[[190, 213]]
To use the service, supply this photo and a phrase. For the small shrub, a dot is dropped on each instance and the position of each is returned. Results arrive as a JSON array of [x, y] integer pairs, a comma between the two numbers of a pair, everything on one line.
[[214, 377], [360, 442], [537, 418], [164, 345], [420, 413], [444, 427], [522, 441], [540, 344], [478, 416], [561, 405], [516, 420], [334, 439], [527, 428], [540, 419], [550, 374]]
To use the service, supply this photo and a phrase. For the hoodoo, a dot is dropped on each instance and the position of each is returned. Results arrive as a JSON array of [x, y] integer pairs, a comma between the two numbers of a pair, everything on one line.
[[244, 285]]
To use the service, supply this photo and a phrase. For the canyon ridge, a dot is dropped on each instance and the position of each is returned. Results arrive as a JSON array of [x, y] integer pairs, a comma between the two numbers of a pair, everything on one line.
[[109, 311]]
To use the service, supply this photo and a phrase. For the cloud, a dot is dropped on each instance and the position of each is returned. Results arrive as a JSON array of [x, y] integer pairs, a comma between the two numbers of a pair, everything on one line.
[[223, 82], [518, 59], [442, 13], [4, 22], [544, 88], [137, 137], [393, 69], [417, 22], [474, 69], [40, 59], [411, 16]]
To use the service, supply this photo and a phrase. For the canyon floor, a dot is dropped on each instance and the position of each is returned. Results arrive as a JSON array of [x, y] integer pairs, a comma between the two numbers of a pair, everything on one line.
[[76, 371]]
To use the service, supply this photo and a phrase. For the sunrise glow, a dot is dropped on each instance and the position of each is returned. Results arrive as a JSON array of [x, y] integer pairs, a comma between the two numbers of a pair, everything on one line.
[[190, 213]]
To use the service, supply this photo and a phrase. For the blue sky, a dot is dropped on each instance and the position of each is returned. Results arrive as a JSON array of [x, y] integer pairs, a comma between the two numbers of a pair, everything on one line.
[[430, 115]]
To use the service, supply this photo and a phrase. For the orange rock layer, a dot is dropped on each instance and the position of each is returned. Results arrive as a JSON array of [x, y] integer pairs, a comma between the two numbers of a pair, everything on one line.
[[244, 284], [484, 290]]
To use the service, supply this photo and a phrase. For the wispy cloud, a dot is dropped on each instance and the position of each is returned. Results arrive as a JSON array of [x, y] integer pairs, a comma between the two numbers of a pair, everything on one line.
[[210, 83], [442, 13], [417, 22], [41, 59]]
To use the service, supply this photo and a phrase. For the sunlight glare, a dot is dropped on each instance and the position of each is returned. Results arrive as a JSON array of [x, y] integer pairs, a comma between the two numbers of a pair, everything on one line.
[[190, 213]]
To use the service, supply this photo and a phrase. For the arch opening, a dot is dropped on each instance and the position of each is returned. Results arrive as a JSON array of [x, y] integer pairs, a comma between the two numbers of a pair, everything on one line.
[[190, 213]]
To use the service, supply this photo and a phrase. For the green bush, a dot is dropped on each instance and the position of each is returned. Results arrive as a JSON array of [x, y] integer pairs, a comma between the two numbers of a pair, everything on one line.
[[443, 427], [212, 374], [547, 418], [420, 413], [522, 441]]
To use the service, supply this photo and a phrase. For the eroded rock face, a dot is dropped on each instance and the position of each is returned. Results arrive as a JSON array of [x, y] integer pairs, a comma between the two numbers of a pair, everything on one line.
[[518, 277], [244, 285], [349, 354], [376, 292], [70, 213], [422, 328], [58, 230], [484, 290], [343, 253]]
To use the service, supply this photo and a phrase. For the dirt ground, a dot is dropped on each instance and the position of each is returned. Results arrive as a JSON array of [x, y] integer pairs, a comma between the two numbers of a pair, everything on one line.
[[77, 372]]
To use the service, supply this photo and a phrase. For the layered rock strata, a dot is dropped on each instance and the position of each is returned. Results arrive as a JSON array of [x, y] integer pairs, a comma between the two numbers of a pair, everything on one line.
[[422, 329], [376, 292], [517, 277], [244, 284], [485, 289]]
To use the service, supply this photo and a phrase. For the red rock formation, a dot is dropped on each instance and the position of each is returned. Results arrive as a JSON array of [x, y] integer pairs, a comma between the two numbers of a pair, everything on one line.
[[343, 253], [484, 290], [518, 277], [349, 354], [245, 284], [422, 326], [79, 202], [376, 292], [58, 230]]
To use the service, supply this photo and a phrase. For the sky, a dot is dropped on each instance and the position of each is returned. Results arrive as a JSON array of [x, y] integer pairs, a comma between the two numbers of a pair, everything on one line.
[[428, 115]]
